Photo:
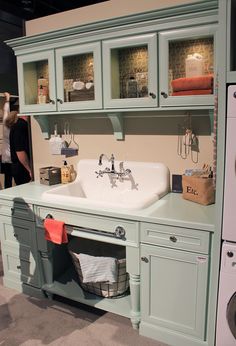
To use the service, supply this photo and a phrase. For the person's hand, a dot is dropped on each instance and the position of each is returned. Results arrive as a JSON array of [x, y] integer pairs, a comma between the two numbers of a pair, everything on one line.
[[7, 96], [30, 173]]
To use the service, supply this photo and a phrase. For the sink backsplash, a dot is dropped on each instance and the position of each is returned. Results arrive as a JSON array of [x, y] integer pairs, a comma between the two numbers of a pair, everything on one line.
[[146, 139]]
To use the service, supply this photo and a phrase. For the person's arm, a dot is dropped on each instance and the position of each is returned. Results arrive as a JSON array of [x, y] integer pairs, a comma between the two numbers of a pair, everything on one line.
[[23, 158], [6, 107]]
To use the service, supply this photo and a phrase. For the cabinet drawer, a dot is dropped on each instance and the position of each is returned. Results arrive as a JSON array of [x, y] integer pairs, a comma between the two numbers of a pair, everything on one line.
[[20, 269], [95, 226], [16, 233], [17, 210], [175, 237]]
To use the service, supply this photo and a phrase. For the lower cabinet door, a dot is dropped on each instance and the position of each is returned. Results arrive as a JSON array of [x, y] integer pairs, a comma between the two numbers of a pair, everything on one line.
[[174, 290], [19, 252]]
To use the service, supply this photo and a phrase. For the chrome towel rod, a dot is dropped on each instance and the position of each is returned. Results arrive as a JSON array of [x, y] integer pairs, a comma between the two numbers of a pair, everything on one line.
[[118, 233]]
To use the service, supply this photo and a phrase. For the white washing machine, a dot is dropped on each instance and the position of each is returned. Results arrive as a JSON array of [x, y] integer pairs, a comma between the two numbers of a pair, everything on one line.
[[226, 316]]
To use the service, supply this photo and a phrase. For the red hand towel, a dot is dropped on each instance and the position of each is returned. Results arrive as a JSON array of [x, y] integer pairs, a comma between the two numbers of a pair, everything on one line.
[[193, 92], [190, 83], [55, 231]]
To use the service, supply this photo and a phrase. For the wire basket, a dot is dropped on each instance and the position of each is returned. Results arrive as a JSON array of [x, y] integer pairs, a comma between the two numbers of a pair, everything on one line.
[[94, 248]]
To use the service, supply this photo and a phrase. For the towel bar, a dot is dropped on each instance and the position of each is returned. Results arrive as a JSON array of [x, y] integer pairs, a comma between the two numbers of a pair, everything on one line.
[[118, 233]]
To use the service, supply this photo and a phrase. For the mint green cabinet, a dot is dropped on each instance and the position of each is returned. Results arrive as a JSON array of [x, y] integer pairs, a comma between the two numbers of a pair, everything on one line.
[[184, 56], [130, 71], [62, 79], [174, 284], [19, 253], [177, 285]]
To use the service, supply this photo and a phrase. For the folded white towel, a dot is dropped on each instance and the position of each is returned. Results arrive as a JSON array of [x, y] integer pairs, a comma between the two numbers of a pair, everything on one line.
[[98, 269]]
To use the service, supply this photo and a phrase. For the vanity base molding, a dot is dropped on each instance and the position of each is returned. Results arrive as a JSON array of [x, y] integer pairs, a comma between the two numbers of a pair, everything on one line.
[[168, 336]]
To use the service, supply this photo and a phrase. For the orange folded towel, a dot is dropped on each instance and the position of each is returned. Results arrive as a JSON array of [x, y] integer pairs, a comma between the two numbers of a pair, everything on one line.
[[55, 231], [193, 92], [192, 83]]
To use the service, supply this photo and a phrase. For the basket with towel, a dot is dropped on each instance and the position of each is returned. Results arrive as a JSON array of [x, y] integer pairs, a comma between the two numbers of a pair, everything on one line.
[[101, 267]]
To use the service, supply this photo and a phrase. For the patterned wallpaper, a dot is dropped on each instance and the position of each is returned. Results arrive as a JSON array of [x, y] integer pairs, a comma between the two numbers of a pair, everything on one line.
[[179, 50], [133, 63]]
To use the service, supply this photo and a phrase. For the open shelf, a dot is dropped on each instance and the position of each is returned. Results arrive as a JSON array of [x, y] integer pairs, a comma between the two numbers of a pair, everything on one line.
[[68, 286]]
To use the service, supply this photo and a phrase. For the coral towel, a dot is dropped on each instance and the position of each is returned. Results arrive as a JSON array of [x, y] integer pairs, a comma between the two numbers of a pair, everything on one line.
[[55, 231], [192, 83], [193, 92]]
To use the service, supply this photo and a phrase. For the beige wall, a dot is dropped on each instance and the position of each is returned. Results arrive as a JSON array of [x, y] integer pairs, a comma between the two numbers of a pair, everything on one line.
[[97, 12], [151, 139]]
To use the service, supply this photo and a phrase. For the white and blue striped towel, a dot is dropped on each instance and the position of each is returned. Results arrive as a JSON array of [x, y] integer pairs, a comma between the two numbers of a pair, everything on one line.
[[98, 269]]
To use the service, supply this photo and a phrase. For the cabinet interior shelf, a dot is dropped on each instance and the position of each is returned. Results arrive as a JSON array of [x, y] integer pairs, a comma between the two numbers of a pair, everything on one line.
[[68, 286]]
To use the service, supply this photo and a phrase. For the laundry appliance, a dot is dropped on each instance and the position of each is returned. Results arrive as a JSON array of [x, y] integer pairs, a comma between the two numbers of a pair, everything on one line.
[[226, 315], [226, 322]]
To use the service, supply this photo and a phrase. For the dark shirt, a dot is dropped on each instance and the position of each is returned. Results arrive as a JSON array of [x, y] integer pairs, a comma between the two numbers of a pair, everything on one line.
[[19, 139]]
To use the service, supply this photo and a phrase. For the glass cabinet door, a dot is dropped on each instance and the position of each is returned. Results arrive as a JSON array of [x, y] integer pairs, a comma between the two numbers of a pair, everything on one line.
[[130, 72], [79, 77], [36, 78], [187, 66]]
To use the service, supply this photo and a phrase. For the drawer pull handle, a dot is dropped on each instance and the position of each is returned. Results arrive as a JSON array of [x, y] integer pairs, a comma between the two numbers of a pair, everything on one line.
[[144, 259], [119, 232], [173, 239], [18, 267]]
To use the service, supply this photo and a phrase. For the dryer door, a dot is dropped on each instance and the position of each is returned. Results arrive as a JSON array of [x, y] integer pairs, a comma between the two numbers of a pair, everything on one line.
[[231, 314]]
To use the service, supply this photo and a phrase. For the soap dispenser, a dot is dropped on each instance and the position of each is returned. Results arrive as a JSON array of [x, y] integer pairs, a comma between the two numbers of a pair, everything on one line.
[[65, 173]]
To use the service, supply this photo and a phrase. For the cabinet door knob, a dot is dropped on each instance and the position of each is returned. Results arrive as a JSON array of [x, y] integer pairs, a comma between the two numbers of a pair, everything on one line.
[[52, 102], [60, 101], [15, 235], [173, 239], [164, 94], [144, 259], [12, 211], [152, 95]]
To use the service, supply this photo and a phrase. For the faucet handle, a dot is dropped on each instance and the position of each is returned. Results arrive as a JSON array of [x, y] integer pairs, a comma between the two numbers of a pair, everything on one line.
[[99, 173]]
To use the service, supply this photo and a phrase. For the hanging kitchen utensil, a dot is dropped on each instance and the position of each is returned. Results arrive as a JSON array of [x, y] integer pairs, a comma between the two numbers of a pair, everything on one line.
[[72, 147], [55, 143]]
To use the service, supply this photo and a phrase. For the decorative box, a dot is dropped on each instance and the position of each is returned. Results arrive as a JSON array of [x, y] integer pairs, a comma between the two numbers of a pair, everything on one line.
[[50, 175]]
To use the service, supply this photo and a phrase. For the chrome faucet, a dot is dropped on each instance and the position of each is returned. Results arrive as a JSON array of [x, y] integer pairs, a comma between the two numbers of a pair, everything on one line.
[[112, 160], [118, 175]]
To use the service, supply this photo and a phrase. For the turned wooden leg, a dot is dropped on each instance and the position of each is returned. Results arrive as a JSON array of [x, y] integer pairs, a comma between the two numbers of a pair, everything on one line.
[[135, 300]]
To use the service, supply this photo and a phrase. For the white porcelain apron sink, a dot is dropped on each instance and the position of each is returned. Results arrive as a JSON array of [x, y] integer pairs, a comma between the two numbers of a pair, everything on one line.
[[145, 184]]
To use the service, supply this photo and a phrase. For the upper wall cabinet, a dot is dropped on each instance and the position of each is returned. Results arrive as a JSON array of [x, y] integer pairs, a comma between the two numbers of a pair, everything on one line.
[[130, 72], [60, 80], [187, 66]]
